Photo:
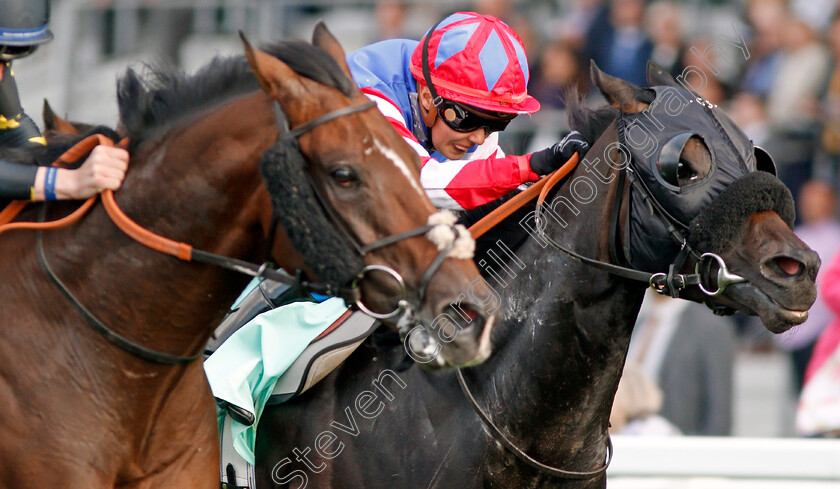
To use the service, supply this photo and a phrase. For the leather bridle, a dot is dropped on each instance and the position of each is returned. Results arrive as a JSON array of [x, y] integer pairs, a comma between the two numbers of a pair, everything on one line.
[[287, 136], [665, 283], [670, 283], [350, 293]]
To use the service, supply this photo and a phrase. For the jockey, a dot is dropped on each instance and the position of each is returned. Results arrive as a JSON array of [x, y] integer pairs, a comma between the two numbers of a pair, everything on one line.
[[23, 27], [448, 96]]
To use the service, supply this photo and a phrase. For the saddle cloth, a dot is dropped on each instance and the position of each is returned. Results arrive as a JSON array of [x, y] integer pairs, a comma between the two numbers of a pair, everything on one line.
[[280, 353], [319, 358]]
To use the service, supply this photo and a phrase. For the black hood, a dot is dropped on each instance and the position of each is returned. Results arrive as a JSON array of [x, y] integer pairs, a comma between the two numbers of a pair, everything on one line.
[[656, 135]]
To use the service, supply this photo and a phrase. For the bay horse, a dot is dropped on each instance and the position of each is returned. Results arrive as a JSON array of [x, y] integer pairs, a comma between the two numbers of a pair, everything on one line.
[[100, 335], [536, 413]]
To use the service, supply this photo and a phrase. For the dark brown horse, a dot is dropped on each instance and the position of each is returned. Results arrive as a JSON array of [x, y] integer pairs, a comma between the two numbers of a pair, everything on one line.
[[546, 393], [82, 411]]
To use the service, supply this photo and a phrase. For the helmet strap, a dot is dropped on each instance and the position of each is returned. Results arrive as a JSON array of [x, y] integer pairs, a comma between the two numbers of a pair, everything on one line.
[[436, 99]]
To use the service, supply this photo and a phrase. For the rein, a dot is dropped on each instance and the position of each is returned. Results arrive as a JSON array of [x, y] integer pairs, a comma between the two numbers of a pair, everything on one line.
[[499, 436], [501, 213], [182, 251], [670, 283], [665, 283]]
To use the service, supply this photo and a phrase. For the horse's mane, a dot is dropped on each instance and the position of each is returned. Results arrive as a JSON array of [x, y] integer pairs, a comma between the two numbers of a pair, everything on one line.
[[162, 95]]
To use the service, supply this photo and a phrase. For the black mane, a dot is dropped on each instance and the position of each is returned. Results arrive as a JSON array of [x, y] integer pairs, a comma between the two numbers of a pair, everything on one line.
[[163, 94]]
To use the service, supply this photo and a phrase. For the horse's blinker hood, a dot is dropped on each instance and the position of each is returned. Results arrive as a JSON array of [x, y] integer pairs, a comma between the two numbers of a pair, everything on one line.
[[661, 206]]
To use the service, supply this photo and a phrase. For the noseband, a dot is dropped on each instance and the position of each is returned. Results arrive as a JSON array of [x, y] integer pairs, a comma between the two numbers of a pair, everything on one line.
[[351, 294], [289, 137]]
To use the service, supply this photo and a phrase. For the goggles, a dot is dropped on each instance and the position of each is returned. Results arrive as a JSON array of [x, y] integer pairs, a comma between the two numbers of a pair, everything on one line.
[[8, 53], [463, 119]]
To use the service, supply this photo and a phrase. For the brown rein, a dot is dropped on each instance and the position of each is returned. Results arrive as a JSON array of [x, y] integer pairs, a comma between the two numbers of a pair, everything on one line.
[[70, 156], [181, 250], [540, 188]]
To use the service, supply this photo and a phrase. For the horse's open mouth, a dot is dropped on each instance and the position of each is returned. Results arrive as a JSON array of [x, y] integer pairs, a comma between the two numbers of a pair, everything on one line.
[[776, 317]]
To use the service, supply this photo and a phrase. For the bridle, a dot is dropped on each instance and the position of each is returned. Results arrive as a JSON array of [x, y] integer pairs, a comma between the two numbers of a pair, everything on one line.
[[350, 293], [670, 283], [290, 136]]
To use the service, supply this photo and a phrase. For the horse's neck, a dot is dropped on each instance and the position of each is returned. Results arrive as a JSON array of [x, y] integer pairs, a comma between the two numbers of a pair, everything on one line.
[[199, 184], [565, 331]]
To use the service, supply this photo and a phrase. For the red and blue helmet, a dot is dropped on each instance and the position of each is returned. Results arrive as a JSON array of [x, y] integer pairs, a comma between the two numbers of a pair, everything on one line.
[[477, 60]]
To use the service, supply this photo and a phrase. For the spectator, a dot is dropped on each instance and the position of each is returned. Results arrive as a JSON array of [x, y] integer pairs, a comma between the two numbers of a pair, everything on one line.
[[800, 79], [576, 21], [663, 23], [821, 231], [792, 105], [559, 69], [828, 157], [748, 112], [818, 413], [767, 18], [636, 406], [690, 353], [390, 19], [700, 77], [621, 47], [816, 13]]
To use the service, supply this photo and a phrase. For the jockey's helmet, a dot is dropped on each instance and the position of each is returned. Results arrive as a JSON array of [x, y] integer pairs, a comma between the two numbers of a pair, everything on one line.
[[23, 26], [476, 60]]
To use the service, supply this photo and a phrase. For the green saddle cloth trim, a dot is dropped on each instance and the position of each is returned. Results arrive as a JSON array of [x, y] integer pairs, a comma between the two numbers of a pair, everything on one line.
[[245, 368]]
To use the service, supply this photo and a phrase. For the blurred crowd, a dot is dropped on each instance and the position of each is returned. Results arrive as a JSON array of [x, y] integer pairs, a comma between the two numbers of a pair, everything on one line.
[[775, 68]]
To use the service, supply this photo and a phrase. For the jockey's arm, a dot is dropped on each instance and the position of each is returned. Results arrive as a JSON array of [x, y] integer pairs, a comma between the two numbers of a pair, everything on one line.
[[104, 169], [467, 183]]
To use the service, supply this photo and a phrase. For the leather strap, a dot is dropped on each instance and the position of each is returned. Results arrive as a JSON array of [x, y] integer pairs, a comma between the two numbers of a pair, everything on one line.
[[499, 436]]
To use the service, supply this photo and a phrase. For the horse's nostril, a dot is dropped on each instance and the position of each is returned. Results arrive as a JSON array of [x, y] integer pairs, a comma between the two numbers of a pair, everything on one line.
[[788, 265]]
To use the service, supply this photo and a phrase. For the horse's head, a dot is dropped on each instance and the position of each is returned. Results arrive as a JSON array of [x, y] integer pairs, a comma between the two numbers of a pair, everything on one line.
[[702, 193], [345, 188]]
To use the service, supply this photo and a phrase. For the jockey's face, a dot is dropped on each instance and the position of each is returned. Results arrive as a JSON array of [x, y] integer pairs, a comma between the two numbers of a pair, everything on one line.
[[447, 141], [454, 144]]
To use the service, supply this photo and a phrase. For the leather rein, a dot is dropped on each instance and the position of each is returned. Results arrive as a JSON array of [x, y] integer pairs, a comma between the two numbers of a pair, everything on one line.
[[664, 283], [186, 252]]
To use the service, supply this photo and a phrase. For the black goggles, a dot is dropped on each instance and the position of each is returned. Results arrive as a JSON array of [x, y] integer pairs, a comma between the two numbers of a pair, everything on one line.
[[462, 119]]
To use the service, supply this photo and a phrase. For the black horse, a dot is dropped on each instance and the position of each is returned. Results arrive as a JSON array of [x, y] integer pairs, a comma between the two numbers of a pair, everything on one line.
[[547, 391]]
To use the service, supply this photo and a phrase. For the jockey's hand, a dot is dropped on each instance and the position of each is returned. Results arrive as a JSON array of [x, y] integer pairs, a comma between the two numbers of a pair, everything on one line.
[[546, 161], [103, 169]]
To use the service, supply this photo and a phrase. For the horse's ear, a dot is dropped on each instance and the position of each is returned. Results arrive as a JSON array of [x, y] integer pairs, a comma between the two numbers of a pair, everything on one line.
[[657, 76], [274, 76], [621, 94], [53, 122], [322, 38]]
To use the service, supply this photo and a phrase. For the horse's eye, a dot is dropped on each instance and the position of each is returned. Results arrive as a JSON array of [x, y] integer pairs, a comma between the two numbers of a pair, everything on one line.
[[344, 177], [685, 174], [674, 165]]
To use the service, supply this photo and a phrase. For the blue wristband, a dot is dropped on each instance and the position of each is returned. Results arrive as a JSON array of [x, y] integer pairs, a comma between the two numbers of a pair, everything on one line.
[[49, 183]]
